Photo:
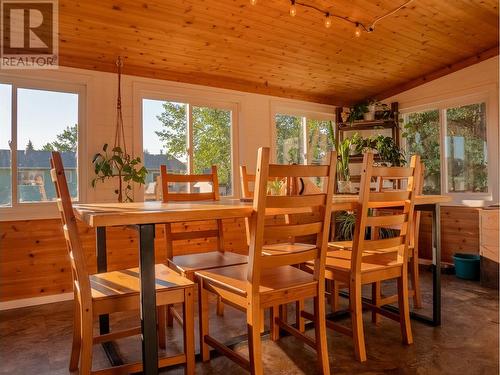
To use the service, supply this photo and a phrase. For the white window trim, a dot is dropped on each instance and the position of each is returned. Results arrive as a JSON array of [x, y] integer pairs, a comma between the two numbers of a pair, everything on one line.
[[44, 210], [311, 111], [192, 97], [485, 96]]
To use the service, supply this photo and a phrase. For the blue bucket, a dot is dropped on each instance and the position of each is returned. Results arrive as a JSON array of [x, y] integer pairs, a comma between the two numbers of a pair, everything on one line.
[[467, 266]]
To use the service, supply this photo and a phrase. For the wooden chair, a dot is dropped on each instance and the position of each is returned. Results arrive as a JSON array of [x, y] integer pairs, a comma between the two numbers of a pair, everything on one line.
[[188, 264], [394, 184], [376, 260], [111, 292], [269, 281], [279, 245]]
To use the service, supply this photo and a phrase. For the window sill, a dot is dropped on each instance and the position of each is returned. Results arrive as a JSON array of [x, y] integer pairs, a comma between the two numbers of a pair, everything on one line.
[[29, 211]]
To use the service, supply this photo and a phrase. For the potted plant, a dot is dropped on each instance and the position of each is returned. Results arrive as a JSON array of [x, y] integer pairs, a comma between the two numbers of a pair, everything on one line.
[[357, 111], [122, 166], [344, 181], [119, 164], [371, 107]]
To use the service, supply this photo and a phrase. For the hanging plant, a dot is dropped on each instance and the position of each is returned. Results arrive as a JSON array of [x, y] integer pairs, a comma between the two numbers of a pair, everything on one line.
[[118, 163]]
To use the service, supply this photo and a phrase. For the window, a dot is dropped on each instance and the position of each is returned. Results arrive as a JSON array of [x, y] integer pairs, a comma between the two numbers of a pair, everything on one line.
[[422, 138], [302, 140], [466, 154], [452, 140], [46, 120], [188, 139]]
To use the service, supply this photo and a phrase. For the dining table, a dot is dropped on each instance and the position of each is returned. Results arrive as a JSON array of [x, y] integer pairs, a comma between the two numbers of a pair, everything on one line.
[[143, 216]]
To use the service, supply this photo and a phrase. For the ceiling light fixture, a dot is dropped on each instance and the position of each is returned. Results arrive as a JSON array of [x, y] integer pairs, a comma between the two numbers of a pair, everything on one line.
[[359, 26], [293, 8], [328, 20]]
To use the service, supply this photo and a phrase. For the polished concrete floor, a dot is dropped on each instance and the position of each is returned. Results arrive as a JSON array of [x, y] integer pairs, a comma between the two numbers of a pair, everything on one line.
[[36, 340]]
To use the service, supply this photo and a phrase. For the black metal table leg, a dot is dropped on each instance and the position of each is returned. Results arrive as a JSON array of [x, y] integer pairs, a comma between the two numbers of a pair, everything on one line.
[[102, 266], [436, 265], [148, 299]]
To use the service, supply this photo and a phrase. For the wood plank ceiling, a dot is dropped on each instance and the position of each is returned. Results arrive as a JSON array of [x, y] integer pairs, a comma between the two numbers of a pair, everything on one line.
[[232, 44]]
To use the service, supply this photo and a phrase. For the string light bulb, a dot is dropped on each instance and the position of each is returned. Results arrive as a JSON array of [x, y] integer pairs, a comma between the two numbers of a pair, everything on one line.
[[253, 2], [293, 8], [328, 20], [357, 31]]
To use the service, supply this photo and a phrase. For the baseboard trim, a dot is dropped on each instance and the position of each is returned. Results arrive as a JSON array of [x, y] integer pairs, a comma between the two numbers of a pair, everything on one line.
[[26, 302]]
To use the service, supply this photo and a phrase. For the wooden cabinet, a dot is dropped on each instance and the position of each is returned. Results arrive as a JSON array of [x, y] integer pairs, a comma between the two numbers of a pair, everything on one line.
[[488, 234], [489, 246]]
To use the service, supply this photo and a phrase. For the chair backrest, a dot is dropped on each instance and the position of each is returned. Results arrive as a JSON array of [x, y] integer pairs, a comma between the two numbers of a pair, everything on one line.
[[81, 282], [246, 180], [290, 185], [170, 236], [190, 179], [370, 201], [265, 204], [401, 183]]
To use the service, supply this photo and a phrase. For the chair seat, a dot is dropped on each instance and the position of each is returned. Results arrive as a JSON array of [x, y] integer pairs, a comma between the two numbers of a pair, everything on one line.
[[374, 266], [127, 282], [190, 263], [280, 279], [288, 247], [347, 245]]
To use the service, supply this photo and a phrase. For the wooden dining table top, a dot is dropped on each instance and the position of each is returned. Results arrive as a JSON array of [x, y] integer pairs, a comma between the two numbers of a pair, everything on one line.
[[156, 212]]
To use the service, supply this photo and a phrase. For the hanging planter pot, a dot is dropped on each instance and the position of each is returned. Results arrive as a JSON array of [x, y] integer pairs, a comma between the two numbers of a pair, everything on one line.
[[119, 164]]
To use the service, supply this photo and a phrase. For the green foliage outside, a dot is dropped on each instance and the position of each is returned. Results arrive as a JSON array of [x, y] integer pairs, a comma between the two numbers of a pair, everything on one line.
[[211, 137], [290, 140], [66, 141], [466, 139], [421, 131], [466, 145]]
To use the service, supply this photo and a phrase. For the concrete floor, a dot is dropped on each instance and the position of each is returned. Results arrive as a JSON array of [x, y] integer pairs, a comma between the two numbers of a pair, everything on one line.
[[36, 340]]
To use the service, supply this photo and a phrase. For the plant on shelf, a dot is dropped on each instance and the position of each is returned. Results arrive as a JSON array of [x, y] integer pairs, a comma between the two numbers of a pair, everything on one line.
[[387, 150], [356, 112], [118, 163]]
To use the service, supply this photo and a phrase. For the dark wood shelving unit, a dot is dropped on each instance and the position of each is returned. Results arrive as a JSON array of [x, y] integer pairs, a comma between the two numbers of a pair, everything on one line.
[[386, 123], [389, 123]]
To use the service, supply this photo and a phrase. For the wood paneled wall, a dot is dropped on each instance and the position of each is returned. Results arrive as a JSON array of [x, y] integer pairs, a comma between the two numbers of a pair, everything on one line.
[[34, 263], [459, 232]]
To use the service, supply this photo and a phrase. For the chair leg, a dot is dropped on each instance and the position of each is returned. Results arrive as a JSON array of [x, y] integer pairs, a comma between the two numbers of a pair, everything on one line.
[[320, 333], [203, 321], [161, 311], [376, 297], [334, 295], [86, 345], [188, 329], [283, 311], [220, 307], [254, 344], [299, 320], [170, 317], [415, 280], [77, 337], [404, 309], [356, 306], [274, 327], [263, 321]]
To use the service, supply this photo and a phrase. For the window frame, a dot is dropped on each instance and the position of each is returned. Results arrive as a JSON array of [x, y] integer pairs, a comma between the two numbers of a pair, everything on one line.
[[191, 100], [458, 198], [311, 111], [42, 210]]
